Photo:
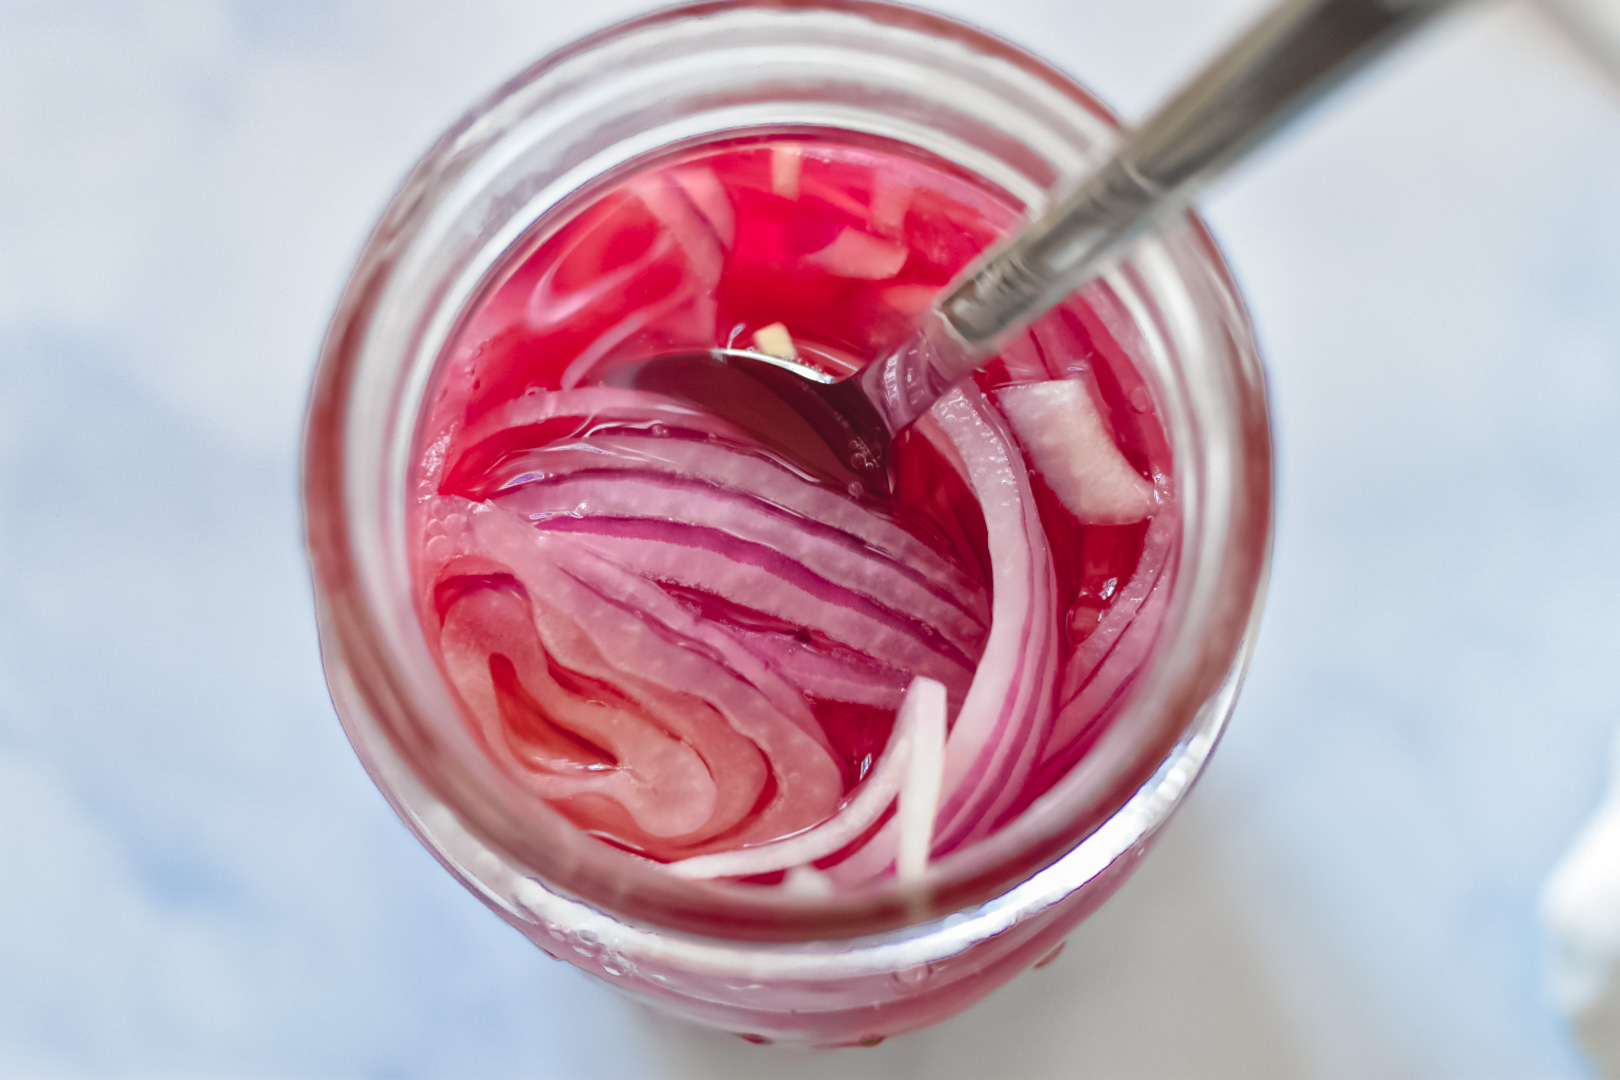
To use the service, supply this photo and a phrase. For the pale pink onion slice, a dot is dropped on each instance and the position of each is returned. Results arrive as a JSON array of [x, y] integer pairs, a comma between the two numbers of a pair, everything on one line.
[[1059, 426], [638, 657], [909, 299], [787, 163], [923, 708], [682, 320], [708, 194], [598, 606], [550, 306], [682, 317], [749, 575], [710, 461], [658, 778], [925, 775], [646, 599], [857, 254], [687, 225], [832, 673], [1004, 720], [681, 504], [1025, 361], [891, 199]]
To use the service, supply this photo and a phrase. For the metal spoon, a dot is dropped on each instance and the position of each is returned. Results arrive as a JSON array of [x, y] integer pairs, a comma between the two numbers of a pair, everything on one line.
[[1292, 56]]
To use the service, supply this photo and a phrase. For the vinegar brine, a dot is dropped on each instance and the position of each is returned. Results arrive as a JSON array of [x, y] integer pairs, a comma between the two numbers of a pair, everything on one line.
[[704, 644]]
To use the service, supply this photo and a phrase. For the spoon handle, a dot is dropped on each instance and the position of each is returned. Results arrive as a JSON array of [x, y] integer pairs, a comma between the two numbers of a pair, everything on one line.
[[1296, 53]]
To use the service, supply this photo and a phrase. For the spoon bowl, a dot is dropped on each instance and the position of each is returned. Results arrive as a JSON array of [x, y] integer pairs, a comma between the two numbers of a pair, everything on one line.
[[827, 426]]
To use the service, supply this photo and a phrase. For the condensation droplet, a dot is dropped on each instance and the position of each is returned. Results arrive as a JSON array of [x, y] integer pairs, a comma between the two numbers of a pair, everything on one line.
[[1141, 400], [913, 977]]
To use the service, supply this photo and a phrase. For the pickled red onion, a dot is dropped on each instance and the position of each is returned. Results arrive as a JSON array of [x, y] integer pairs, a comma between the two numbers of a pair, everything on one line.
[[1058, 425], [908, 769], [695, 648], [1008, 711], [587, 504], [605, 525]]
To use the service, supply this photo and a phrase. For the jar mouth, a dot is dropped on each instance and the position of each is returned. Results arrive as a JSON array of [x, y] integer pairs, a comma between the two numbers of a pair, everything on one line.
[[716, 70]]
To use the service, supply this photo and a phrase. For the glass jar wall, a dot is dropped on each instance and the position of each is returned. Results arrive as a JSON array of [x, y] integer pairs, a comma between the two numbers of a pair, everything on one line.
[[849, 968]]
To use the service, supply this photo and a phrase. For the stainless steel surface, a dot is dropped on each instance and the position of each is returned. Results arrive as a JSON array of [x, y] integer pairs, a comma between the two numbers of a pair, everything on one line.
[[1288, 59]]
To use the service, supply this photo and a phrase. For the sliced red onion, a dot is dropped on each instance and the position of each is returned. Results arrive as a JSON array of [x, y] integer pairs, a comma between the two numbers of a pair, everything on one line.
[[682, 320], [685, 224], [894, 774], [891, 199], [645, 598], [857, 254], [707, 459], [622, 534], [1102, 669], [682, 317], [550, 306], [708, 194], [1060, 427], [1004, 720], [590, 632], [787, 164], [831, 673], [752, 576], [925, 775], [679, 504], [661, 781]]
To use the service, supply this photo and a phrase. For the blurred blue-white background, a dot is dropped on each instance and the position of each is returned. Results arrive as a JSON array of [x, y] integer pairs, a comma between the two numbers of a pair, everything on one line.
[[196, 877]]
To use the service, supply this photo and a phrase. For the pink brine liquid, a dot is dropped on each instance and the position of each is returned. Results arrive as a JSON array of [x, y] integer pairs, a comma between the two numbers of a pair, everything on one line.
[[701, 646]]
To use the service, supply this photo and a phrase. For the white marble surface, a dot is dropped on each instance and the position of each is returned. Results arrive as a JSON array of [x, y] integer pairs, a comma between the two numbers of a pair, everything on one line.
[[196, 878]]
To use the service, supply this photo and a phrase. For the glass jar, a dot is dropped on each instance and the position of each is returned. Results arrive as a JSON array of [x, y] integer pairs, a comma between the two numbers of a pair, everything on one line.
[[850, 969]]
